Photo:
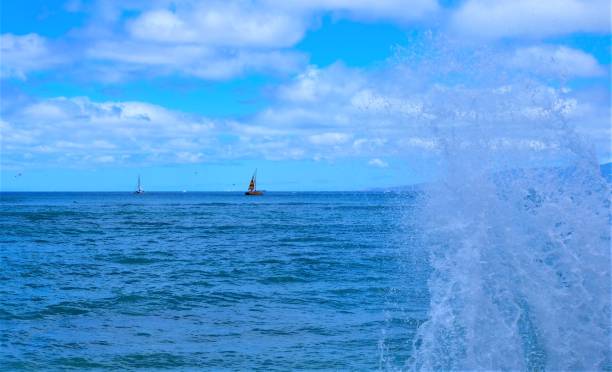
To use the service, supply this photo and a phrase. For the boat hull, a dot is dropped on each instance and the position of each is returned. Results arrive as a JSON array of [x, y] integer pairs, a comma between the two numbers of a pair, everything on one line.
[[254, 193]]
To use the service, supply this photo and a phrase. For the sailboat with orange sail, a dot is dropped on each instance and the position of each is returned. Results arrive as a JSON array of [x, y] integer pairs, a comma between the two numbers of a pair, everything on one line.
[[252, 191]]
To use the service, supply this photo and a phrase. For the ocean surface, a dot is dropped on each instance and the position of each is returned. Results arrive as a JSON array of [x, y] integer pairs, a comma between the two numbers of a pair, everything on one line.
[[210, 280]]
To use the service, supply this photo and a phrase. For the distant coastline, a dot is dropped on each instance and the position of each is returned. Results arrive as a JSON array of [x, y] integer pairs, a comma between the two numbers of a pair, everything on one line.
[[605, 169]]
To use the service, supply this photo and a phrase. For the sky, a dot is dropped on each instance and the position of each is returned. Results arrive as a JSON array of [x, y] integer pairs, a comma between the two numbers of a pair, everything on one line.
[[315, 94]]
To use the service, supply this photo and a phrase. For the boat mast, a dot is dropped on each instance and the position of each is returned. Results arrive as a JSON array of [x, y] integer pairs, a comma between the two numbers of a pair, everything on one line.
[[253, 183]]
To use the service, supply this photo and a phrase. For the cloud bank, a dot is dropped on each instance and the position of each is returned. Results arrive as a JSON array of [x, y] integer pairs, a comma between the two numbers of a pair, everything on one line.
[[219, 40], [315, 112]]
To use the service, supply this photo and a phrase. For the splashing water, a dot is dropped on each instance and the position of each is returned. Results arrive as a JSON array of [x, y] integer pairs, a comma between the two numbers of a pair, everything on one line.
[[517, 231], [521, 272]]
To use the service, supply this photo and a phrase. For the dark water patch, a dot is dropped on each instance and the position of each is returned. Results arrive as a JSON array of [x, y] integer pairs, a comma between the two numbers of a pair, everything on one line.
[[128, 299], [227, 228], [297, 203], [146, 224], [188, 273], [41, 241], [270, 261], [308, 239], [291, 300], [235, 296], [71, 288], [199, 284], [124, 212], [48, 216], [274, 332], [310, 261], [34, 285], [321, 331], [151, 360], [367, 208], [15, 365], [131, 260], [287, 279], [346, 291], [229, 274], [214, 204], [77, 363], [5, 314], [63, 309]]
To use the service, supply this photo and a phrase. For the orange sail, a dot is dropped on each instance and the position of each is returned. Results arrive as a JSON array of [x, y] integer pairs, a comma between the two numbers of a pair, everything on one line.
[[253, 186]]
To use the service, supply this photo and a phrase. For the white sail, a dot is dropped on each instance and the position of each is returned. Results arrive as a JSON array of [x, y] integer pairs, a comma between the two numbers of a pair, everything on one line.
[[139, 189]]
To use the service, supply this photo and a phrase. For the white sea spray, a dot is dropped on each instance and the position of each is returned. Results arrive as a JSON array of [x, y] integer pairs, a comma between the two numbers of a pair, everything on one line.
[[517, 227]]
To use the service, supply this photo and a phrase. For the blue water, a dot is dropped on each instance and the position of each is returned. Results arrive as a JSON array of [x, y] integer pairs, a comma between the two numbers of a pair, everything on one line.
[[210, 280]]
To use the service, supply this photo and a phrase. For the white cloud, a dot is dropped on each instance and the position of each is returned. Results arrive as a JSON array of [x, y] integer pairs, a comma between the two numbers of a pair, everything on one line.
[[315, 85], [22, 54], [427, 144], [330, 138], [148, 54], [215, 40], [209, 40], [77, 130], [378, 163], [559, 60], [224, 39], [105, 159], [223, 24], [45, 111], [194, 60], [161, 25], [323, 113], [527, 18], [369, 144]]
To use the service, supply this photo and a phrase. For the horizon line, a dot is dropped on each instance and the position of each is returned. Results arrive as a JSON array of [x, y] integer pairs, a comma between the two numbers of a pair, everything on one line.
[[374, 189]]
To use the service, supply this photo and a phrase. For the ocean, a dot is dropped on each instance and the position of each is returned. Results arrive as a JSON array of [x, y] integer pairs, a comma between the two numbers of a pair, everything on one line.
[[210, 280], [483, 271]]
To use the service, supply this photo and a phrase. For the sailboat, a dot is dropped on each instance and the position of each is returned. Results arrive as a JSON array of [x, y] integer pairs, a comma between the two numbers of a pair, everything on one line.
[[253, 186], [139, 189]]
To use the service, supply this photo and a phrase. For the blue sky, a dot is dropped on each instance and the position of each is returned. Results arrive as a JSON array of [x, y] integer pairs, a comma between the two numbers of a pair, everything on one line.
[[318, 95]]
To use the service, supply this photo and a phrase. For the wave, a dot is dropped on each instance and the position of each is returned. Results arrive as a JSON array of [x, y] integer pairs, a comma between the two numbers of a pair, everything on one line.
[[520, 258], [521, 274], [521, 269]]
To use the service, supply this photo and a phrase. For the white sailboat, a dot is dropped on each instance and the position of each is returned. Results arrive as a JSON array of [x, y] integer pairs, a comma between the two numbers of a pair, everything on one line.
[[139, 189]]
